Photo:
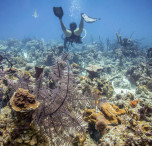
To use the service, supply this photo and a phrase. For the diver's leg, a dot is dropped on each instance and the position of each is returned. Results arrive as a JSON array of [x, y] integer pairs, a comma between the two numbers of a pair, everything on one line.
[[65, 45]]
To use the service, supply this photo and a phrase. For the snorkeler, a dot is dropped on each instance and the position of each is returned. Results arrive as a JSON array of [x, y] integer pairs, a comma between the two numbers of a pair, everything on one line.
[[73, 35]]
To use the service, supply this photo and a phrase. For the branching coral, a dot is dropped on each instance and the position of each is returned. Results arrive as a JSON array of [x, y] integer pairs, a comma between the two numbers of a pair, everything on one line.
[[5, 58]]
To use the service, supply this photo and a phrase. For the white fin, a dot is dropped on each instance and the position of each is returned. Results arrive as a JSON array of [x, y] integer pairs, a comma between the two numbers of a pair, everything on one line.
[[89, 19]]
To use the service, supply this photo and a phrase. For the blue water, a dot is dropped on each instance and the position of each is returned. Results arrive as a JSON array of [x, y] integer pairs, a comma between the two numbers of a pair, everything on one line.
[[125, 16]]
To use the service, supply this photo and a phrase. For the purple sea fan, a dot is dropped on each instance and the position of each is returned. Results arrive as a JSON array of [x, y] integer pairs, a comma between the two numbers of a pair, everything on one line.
[[56, 115]]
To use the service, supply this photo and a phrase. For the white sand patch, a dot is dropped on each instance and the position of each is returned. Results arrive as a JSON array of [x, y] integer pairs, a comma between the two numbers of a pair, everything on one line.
[[121, 90]]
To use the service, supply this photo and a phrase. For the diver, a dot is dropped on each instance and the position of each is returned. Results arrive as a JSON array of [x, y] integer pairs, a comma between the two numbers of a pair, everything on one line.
[[149, 53], [72, 35]]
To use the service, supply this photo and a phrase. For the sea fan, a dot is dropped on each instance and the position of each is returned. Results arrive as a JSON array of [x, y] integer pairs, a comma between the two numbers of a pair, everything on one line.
[[56, 115], [59, 112]]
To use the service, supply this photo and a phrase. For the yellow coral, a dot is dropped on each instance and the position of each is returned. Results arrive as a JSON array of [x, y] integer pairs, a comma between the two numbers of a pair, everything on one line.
[[82, 78], [147, 129], [142, 88], [27, 75], [74, 65], [13, 70], [90, 115], [119, 111], [111, 113], [80, 138]]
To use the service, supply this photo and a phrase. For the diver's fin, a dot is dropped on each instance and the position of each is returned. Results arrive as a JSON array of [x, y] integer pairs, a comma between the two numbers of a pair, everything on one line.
[[88, 19], [58, 11]]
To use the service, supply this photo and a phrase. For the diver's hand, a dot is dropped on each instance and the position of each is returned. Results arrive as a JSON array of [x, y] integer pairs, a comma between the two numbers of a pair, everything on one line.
[[82, 16], [60, 17], [58, 12]]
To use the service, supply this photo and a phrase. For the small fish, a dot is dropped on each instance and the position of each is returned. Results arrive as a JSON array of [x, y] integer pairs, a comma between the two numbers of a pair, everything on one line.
[[89, 19], [35, 15], [96, 102]]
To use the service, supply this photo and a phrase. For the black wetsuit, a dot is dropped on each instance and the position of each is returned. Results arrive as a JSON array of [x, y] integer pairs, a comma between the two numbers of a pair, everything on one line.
[[72, 39]]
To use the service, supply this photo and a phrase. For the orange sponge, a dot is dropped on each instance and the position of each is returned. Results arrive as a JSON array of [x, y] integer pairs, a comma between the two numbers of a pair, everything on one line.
[[133, 103]]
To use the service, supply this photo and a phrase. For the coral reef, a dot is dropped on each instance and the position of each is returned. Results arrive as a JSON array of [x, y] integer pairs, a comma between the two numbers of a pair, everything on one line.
[[128, 47], [23, 101], [101, 124], [75, 68], [93, 70], [111, 113], [16, 133], [134, 103], [141, 75], [55, 112], [97, 85], [97, 123], [49, 59], [97, 94]]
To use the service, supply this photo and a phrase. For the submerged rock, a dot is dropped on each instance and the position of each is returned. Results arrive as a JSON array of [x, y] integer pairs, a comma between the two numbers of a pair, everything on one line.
[[93, 70]]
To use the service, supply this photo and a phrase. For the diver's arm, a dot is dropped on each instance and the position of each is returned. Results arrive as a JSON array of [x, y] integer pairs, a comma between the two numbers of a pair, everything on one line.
[[79, 30], [66, 32]]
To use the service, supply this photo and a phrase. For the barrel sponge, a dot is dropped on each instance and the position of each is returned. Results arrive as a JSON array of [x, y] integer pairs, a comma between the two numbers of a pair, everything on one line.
[[22, 100]]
